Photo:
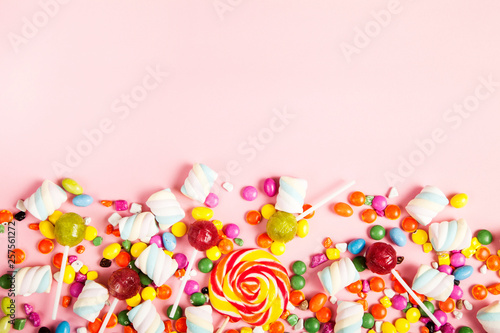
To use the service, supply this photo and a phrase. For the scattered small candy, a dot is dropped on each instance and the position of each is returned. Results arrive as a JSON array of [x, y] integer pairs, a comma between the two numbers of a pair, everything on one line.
[[232, 230], [356, 246], [19, 216], [459, 200], [34, 318], [238, 241], [318, 259], [343, 209], [83, 200], [212, 200], [97, 241]]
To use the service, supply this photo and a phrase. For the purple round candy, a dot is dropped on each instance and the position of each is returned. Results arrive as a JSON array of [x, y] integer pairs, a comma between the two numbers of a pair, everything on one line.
[[156, 239], [75, 289], [232, 230], [457, 259], [212, 200], [457, 292], [249, 193], [182, 260], [379, 202], [441, 316], [191, 287], [445, 269], [399, 302], [270, 187]]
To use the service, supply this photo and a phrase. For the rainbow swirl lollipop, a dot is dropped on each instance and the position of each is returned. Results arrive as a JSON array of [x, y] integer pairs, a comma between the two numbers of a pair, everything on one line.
[[251, 285]]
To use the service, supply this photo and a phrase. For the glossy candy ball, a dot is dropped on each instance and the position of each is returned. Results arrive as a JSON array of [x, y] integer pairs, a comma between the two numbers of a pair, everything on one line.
[[270, 187], [381, 258], [124, 283], [203, 235], [484, 237], [379, 202], [191, 287], [459, 200], [368, 321], [205, 265], [377, 232], [197, 299], [249, 193], [297, 282], [357, 198], [299, 267], [232, 230], [312, 325], [70, 229]]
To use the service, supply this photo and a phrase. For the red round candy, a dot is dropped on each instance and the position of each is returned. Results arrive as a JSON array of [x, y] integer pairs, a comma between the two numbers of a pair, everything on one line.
[[203, 235], [381, 258], [124, 283]]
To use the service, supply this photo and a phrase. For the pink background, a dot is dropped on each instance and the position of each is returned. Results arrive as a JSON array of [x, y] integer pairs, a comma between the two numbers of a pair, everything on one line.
[[232, 67]]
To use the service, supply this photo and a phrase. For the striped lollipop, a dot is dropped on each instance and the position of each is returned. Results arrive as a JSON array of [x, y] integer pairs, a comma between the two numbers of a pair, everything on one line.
[[427, 204], [251, 285], [349, 317]]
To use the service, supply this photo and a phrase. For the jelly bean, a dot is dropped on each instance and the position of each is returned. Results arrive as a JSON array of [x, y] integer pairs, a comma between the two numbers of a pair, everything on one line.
[[249, 193], [137, 249], [202, 213], [356, 246], [169, 241], [377, 232], [90, 233], [317, 302], [409, 224], [479, 292], [34, 226], [18, 256], [360, 263], [92, 275], [72, 186], [267, 211], [392, 212], [156, 239], [197, 299], [379, 202], [357, 198], [111, 251], [134, 300], [302, 228], [343, 209], [413, 315], [181, 259], [296, 297], [179, 229], [47, 229], [253, 217], [63, 327], [419, 237], [463, 272], [368, 321], [378, 311], [191, 287], [457, 259], [312, 325], [459, 200], [69, 274], [369, 215], [297, 282], [122, 259], [8, 306], [278, 248], [484, 237], [5, 324], [264, 241], [324, 315], [212, 200], [398, 237], [82, 200], [149, 293], [177, 314], [402, 325], [213, 253], [232, 230]]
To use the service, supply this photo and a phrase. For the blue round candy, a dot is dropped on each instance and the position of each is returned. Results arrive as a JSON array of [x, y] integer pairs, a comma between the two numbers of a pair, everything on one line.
[[169, 241], [462, 273], [398, 236], [82, 200], [63, 327], [356, 246]]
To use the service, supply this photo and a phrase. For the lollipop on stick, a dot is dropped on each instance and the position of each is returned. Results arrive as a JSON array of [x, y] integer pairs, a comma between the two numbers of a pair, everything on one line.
[[202, 235], [122, 284], [69, 231]]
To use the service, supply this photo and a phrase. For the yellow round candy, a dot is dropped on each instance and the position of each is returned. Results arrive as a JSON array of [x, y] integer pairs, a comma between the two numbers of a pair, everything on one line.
[[419, 237], [413, 315], [388, 327], [302, 228], [148, 293], [218, 224], [267, 211], [137, 249], [69, 274], [402, 325], [111, 251], [202, 213], [90, 233], [459, 200], [179, 229], [47, 229], [278, 248], [92, 275], [134, 300], [213, 253]]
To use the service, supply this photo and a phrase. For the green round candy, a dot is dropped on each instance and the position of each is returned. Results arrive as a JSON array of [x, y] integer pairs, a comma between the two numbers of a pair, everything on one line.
[[484, 237], [177, 314], [282, 227], [368, 320], [70, 229], [145, 280], [205, 265], [312, 325], [5, 281], [429, 306], [297, 282], [377, 232], [465, 329], [197, 299], [360, 263], [123, 318], [292, 319], [299, 267]]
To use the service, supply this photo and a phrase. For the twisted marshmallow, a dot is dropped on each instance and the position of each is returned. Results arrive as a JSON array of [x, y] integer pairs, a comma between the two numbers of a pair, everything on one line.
[[166, 208], [29, 280], [91, 300], [450, 236], [433, 283], [156, 264], [291, 195], [199, 182], [138, 226], [45, 200], [199, 319], [146, 319]]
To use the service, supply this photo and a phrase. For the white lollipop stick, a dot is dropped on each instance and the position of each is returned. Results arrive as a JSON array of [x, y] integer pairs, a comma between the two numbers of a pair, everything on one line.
[[415, 297], [108, 315], [326, 199], [223, 325], [60, 282], [184, 280]]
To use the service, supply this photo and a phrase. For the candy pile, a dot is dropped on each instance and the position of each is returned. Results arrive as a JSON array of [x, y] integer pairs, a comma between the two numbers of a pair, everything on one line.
[[247, 285]]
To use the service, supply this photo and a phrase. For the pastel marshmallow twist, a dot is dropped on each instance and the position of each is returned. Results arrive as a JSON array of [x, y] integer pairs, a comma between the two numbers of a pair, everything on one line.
[[199, 319], [45, 200], [138, 226], [199, 182], [91, 300], [156, 264], [489, 317], [433, 283], [29, 280], [427, 204], [450, 236], [146, 319], [339, 275], [291, 195], [166, 208], [349, 317]]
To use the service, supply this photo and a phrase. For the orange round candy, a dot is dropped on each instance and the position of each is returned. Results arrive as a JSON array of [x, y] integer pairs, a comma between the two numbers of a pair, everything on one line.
[[310, 215], [264, 240], [357, 198], [122, 259], [45, 246], [19, 256], [493, 263], [369, 215], [6, 216], [409, 224], [163, 292], [482, 253], [479, 292], [378, 311], [377, 284], [447, 306], [317, 302], [324, 315], [392, 212], [253, 217], [343, 209], [420, 296], [180, 325], [296, 297], [276, 327], [225, 246], [80, 249], [57, 259], [355, 287]]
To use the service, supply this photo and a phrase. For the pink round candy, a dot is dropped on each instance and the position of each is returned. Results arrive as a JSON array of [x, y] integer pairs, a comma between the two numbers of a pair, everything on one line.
[[232, 230], [249, 193], [399, 302], [379, 202], [75, 289], [212, 200], [156, 239], [191, 287], [182, 260], [72, 259], [441, 316], [445, 269], [457, 259], [457, 292], [270, 187]]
